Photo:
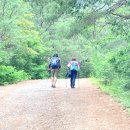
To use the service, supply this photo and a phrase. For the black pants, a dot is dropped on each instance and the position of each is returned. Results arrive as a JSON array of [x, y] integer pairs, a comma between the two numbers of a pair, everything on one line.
[[73, 78]]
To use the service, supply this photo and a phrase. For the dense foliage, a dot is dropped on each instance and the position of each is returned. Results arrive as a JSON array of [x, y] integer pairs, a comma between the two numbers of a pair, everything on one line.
[[11, 75], [96, 32]]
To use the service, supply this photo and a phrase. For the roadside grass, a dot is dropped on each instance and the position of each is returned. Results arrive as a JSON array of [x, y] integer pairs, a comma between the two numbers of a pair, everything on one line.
[[118, 93]]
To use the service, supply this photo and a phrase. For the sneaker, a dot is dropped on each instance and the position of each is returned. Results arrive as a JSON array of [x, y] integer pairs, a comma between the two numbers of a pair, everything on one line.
[[53, 86], [72, 86]]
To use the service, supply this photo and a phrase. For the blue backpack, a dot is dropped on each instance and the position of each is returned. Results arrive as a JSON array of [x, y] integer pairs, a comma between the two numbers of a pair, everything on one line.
[[74, 66], [55, 62]]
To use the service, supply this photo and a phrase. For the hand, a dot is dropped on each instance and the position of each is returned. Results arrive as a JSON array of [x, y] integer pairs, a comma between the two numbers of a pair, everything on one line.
[[59, 70], [78, 74]]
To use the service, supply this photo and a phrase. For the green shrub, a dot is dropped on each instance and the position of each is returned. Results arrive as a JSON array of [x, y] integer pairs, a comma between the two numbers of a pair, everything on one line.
[[9, 75], [39, 72]]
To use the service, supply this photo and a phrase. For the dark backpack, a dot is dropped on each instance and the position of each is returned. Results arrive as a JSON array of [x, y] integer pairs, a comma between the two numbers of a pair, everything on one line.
[[68, 74], [55, 62]]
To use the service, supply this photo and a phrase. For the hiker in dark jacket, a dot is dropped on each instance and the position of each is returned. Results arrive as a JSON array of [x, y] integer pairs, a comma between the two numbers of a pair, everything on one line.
[[54, 66], [74, 67]]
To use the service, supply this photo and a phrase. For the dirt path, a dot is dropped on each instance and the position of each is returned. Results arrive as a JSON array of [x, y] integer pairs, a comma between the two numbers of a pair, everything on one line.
[[34, 105]]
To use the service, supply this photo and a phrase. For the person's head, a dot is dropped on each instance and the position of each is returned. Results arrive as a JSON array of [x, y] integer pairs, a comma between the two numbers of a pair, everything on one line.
[[55, 55], [73, 59]]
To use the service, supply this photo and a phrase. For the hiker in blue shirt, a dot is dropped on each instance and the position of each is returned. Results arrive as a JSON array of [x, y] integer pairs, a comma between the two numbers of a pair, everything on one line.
[[74, 67], [54, 67]]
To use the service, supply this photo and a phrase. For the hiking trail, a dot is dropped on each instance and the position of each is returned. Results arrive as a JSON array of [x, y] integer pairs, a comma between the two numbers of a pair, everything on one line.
[[34, 105]]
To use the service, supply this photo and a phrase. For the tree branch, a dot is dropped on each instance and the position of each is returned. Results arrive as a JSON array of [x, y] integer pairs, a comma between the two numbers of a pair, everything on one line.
[[117, 5], [3, 9], [126, 17]]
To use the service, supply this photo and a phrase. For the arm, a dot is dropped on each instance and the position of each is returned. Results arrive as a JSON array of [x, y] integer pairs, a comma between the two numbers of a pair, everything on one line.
[[69, 64], [49, 65], [59, 64]]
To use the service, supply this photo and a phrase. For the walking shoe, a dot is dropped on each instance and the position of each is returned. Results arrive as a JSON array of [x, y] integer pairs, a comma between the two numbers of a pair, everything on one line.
[[53, 86], [72, 86]]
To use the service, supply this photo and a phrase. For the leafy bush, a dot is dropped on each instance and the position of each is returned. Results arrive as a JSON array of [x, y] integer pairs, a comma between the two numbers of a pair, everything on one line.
[[9, 74], [39, 72], [121, 64], [102, 69]]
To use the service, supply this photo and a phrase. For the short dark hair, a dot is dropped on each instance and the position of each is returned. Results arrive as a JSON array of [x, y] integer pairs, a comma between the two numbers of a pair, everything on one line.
[[55, 55], [73, 59]]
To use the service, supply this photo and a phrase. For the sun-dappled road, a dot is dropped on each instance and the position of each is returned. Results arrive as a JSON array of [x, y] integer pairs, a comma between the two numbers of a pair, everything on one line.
[[34, 105]]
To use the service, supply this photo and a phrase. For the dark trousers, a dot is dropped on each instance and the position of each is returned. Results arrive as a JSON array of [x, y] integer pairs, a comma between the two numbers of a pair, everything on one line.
[[73, 78]]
